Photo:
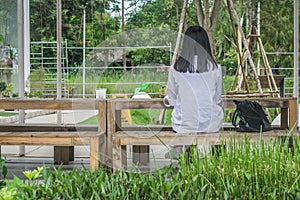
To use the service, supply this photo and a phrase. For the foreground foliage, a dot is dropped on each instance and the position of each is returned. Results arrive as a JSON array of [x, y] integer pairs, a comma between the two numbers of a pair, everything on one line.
[[241, 170]]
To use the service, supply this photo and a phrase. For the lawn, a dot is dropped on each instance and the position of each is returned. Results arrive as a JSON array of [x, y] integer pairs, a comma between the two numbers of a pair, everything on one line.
[[139, 117], [7, 114]]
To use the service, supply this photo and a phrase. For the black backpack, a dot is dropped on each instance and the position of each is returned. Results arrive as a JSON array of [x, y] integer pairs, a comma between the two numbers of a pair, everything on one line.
[[252, 117]]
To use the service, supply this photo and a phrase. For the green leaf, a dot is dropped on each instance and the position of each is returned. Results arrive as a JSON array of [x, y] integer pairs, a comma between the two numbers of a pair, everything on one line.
[[248, 176], [144, 86], [4, 171], [137, 90]]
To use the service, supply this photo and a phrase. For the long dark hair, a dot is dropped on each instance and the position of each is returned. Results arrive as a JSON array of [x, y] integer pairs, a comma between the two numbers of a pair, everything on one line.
[[195, 49]]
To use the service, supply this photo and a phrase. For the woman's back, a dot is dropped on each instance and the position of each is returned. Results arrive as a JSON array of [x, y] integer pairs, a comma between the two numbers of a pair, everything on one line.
[[195, 86], [195, 97]]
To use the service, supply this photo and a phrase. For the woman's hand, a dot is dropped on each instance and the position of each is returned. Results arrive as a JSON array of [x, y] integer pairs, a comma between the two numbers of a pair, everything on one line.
[[166, 102]]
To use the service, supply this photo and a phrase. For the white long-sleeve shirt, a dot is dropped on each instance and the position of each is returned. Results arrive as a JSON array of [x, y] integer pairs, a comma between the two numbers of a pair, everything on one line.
[[197, 101]]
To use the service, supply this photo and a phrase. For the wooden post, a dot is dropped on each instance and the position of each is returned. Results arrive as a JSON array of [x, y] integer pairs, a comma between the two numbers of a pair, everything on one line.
[[141, 154], [102, 116], [293, 121], [61, 155], [94, 153], [111, 129], [102, 110]]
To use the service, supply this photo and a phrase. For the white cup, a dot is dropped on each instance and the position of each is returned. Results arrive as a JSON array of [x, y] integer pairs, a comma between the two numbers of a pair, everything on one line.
[[101, 93]]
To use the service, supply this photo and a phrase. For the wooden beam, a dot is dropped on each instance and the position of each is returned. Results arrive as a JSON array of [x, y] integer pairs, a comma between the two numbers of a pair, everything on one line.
[[169, 138], [46, 127], [49, 104], [228, 103]]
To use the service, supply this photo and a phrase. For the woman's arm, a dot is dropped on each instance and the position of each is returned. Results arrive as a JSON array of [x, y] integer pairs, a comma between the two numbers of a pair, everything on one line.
[[171, 87], [219, 88]]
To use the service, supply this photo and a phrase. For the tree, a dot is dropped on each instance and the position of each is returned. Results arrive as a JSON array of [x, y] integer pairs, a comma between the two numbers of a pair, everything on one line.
[[207, 15], [277, 30], [99, 23], [154, 14]]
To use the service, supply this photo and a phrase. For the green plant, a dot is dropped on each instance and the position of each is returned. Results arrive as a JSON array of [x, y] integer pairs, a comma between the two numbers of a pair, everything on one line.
[[237, 169], [2, 86], [242, 170], [36, 94], [230, 62], [23, 189], [143, 87], [37, 81], [3, 168], [8, 193], [34, 174], [8, 92], [12, 54]]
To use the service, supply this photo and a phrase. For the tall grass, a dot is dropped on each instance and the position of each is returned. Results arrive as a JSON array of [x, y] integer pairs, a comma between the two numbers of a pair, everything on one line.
[[242, 170]]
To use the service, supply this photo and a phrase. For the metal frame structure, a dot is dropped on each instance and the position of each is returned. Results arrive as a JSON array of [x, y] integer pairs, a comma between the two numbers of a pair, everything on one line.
[[47, 62]]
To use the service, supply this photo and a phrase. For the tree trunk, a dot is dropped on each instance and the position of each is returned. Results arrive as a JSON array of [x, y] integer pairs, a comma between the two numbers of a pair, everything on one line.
[[207, 18]]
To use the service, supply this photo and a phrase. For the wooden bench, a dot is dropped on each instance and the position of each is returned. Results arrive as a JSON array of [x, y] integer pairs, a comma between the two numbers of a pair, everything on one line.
[[279, 81], [63, 137], [118, 136]]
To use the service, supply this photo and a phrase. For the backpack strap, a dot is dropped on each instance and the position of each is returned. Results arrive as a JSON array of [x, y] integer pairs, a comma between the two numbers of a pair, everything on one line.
[[234, 117], [235, 113]]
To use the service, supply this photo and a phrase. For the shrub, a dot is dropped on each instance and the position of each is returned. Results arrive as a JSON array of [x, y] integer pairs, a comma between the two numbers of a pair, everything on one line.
[[2, 86]]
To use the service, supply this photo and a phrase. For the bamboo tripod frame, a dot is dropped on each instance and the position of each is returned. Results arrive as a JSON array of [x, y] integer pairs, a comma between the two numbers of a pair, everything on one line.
[[246, 55]]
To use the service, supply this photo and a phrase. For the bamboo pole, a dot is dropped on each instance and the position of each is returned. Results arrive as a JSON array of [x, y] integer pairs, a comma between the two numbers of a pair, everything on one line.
[[249, 57], [240, 69], [269, 71], [182, 19]]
